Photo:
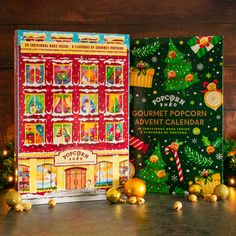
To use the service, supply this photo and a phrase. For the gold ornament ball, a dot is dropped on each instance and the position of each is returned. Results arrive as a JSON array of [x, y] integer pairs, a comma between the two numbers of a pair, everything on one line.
[[177, 206], [192, 198], [135, 187], [221, 191], [207, 197], [113, 195], [52, 203], [12, 198], [195, 189]]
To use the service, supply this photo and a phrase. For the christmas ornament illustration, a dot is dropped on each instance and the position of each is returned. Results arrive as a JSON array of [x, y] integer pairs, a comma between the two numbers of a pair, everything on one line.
[[211, 146], [213, 97]]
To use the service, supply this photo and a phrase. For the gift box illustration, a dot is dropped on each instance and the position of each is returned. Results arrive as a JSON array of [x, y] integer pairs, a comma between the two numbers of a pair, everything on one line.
[[141, 76], [208, 181]]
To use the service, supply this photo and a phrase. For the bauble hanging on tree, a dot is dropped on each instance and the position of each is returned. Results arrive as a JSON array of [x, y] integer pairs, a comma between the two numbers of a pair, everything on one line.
[[171, 74], [153, 158], [189, 78], [161, 174], [172, 54]]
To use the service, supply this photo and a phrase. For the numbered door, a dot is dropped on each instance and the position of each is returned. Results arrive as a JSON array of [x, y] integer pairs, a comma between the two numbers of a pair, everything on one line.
[[76, 178]]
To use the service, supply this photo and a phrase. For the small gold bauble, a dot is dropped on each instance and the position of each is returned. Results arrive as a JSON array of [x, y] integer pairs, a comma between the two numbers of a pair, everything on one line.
[[132, 200], [52, 203], [12, 198], [135, 187], [192, 198], [19, 207], [212, 198], [27, 206], [177, 206], [221, 191], [113, 195], [195, 189]]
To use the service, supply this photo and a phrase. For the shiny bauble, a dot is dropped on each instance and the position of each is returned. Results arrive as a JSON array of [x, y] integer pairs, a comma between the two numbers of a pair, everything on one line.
[[221, 191], [113, 195], [135, 187], [52, 203], [12, 198], [177, 206], [192, 198], [195, 189]]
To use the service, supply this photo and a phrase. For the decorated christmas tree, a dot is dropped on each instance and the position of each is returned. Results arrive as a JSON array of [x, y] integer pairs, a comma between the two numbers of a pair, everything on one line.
[[154, 172], [178, 71]]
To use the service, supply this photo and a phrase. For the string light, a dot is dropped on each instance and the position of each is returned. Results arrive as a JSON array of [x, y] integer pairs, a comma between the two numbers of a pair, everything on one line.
[[4, 152], [10, 178]]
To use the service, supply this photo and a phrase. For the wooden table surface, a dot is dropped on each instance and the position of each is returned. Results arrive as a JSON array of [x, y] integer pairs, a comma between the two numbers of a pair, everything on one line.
[[155, 217]]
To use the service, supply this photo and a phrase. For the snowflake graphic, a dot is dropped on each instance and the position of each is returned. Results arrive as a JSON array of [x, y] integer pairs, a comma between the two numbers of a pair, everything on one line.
[[208, 75], [154, 59], [137, 42], [174, 178], [200, 66], [144, 100], [219, 156], [194, 140], [139, 156]]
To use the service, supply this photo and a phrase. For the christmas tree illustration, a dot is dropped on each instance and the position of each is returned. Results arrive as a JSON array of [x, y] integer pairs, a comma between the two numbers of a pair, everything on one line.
[[154, 172], [116, 106], [178, 71]]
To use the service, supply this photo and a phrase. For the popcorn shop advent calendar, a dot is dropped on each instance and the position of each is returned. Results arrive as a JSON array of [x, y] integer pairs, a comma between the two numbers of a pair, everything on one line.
[[71, 114], [176, 112]]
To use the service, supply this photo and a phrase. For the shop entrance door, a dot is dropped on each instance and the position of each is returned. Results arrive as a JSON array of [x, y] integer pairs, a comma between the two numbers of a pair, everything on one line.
[[75, 178]]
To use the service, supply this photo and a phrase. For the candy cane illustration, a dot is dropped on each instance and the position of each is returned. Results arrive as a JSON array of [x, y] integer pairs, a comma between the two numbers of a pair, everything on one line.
[[174, 148]]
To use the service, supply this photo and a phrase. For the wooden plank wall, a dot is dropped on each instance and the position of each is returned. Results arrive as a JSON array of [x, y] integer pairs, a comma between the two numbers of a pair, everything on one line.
[[139, 18]]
